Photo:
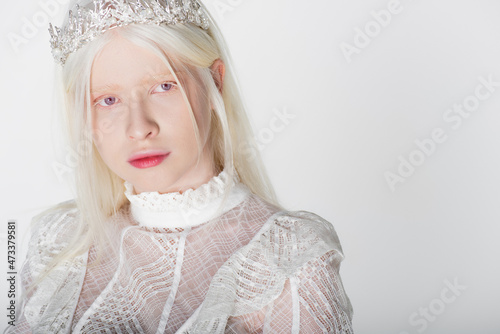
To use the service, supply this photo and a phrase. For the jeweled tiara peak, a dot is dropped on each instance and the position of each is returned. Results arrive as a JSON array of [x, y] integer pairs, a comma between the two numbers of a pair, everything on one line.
[[87, 22]]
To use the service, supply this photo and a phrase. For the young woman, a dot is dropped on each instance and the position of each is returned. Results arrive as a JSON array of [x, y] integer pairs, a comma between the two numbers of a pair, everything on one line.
[[176, 228]]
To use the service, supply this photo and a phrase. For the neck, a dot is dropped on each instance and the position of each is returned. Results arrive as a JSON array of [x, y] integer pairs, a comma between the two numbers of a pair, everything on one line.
[[191, 208], [196, 176]]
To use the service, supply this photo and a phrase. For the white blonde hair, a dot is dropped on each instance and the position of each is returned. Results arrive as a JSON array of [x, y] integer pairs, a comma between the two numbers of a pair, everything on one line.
[[185, 49]]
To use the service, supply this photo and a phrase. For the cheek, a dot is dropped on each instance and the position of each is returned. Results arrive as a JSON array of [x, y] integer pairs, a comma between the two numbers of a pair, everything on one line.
[[202, 116], [181, 131], [200, 104], [104, 128]]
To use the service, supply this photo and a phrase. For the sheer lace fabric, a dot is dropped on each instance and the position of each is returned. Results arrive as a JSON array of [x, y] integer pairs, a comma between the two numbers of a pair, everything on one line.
[[251, 269]]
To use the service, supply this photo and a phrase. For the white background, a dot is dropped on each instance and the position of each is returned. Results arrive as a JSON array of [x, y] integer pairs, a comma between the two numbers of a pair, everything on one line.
[[352, 121]]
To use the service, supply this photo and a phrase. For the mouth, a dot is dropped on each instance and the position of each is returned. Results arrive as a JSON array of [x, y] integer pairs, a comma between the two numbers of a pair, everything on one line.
[[148, 160]]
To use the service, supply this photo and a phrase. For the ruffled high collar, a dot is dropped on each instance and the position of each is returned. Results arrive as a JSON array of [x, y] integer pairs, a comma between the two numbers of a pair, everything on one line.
[[191, 208]]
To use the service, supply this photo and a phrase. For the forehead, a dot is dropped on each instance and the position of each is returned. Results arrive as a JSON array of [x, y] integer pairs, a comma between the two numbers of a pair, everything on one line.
[[125, 63]]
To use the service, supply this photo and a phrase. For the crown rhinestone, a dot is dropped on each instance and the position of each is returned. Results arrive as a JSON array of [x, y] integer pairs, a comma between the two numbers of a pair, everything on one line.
[[85, 23]]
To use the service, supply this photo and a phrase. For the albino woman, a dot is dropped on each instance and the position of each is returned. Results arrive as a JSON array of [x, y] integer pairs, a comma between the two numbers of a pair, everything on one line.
[[175, 227]]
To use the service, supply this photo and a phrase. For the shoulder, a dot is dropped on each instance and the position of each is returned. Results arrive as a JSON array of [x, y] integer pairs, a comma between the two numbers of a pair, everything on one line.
[[290, 239], [55, 223], [51, 231], [280, 231], [305, 227]]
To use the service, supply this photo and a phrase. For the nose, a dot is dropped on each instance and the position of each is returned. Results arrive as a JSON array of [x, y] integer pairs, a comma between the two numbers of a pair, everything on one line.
[[142, 124]]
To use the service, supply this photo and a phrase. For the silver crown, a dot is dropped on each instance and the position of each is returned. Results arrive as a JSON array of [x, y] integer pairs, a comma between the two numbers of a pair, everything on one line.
[[86, 23]]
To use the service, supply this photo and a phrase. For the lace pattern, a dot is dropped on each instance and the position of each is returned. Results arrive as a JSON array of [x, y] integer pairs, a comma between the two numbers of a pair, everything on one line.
[[188, 200], [251, 269]]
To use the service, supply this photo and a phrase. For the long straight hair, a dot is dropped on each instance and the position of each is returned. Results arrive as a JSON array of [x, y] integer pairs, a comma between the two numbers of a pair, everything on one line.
[[188, 51]]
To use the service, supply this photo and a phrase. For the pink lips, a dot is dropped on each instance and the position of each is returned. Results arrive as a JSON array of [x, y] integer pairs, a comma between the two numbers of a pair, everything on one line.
[[147, 160]]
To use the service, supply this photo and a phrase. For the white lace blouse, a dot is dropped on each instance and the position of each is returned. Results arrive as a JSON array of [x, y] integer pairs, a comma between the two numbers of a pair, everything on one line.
[[194, 262]]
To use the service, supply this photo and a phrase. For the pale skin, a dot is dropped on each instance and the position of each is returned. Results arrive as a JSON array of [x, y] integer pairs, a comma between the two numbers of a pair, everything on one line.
[[138, 108]]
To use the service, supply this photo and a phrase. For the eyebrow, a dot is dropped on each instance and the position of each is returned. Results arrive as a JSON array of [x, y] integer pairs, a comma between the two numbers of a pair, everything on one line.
[[155, 77], [104, 88]]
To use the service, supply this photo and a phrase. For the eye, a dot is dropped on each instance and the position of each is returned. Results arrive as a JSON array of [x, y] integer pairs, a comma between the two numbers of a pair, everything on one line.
[[164, 87], [107, 101]]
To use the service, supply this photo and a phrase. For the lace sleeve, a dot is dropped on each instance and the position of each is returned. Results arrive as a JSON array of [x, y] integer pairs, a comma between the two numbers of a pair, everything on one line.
[[285, 281], [324, 305], [313, 301]]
